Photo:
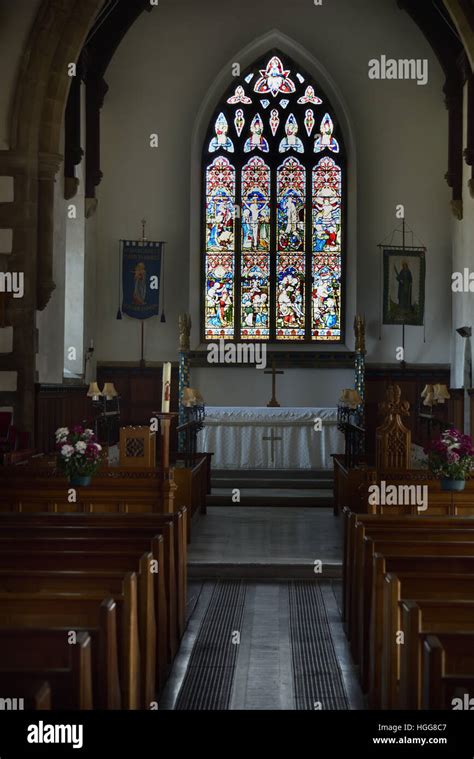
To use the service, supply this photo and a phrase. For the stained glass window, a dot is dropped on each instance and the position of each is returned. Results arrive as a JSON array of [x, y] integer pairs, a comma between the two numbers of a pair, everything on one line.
[[220, 249], [273, 216], [291, 199], [326, 296], [255, 247]]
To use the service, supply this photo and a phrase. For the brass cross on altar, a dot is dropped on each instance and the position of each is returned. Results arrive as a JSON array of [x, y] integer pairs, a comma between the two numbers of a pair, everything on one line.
[[272, 439], [273, 403]]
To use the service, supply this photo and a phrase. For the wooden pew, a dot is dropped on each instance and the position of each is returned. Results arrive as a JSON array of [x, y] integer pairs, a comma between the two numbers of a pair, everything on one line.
[[392, 563], [193, 485], [28, 655], [123, 588], [36, 695], [109, 541], [113, 489], [367, 544], [418, 619], [366, 597], [440, 507], [372, 598], [80, 614], [128, 640], [411, 586], [173, 526], [448, 669], [388, 521], [136, 621], [356, 528]]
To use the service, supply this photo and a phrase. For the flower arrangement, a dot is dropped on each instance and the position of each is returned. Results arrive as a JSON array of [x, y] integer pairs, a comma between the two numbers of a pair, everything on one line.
[[79, 454], [451, 456]]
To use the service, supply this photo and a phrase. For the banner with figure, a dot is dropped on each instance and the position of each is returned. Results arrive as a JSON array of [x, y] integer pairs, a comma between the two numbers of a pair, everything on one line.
[[404, 285], [141, 278]]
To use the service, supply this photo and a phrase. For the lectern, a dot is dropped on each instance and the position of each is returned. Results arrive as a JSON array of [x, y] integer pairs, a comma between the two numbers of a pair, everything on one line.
[[137, 447]]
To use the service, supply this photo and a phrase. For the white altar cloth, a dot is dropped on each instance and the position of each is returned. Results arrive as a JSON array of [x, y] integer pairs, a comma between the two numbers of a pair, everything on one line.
[[236, 437]]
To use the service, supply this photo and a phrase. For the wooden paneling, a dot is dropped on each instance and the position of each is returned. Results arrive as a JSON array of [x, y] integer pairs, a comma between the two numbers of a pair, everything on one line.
[[59, 406], [412, 380], [140, 393], [67, 405]]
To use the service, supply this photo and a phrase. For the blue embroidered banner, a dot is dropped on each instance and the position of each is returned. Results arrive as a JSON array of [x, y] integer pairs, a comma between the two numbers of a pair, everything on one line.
[[141, 278]]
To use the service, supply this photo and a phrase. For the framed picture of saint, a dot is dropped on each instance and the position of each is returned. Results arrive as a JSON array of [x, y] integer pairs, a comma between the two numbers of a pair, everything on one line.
[[404, 285]]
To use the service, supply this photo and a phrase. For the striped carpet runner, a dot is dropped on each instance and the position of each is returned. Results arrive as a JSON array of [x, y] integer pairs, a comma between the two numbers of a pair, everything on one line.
[[317, 678]]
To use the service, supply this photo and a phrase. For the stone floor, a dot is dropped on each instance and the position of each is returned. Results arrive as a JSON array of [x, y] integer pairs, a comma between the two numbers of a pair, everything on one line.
[[268, 539], [262, 535]]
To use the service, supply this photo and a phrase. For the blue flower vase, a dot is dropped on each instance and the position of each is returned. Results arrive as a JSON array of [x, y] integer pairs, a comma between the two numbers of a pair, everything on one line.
[[80, 481], [448, 484]]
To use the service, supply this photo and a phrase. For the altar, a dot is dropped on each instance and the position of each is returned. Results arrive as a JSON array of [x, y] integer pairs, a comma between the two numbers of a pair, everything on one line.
[[271, 438]]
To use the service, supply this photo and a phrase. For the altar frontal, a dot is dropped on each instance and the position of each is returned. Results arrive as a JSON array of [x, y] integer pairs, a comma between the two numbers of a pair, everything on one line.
[[271, 438]]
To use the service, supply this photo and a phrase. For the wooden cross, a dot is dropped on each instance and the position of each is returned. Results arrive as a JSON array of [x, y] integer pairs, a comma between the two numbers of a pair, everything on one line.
[[273, 371], [272, 439]]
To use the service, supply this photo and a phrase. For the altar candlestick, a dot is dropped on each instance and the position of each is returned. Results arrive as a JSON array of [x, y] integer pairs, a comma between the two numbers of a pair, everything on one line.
[[166, 396]]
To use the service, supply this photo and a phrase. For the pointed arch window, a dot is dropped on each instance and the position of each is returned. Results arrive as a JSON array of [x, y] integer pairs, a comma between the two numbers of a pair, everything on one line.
[[274, 176]]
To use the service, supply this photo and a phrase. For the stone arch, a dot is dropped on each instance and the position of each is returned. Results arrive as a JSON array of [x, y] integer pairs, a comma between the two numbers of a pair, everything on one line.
[[40, 95], [56, 39], [463, 18]]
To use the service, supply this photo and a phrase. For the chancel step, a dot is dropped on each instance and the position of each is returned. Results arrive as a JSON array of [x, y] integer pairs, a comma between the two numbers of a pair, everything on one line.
[[313, 488], [270, 496], [276, 477], [271, 571], [294, 483]]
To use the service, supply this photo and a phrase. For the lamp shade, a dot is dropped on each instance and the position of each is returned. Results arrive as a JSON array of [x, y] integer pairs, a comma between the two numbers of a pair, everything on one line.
[[441, 394], [350, 398], [354, 398], [188, 396], [109, 390], [94, 391], [344, 397], [427, 390], [198, 396]]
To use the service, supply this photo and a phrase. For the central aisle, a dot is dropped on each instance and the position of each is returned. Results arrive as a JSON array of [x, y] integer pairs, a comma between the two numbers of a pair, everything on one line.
[[263, 646], [264, 630]]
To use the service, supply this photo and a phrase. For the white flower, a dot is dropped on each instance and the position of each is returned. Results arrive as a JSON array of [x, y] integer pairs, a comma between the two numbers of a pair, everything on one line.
[[99, 447], [67, 451], [61, 434], [81, 446], [88, 434]]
